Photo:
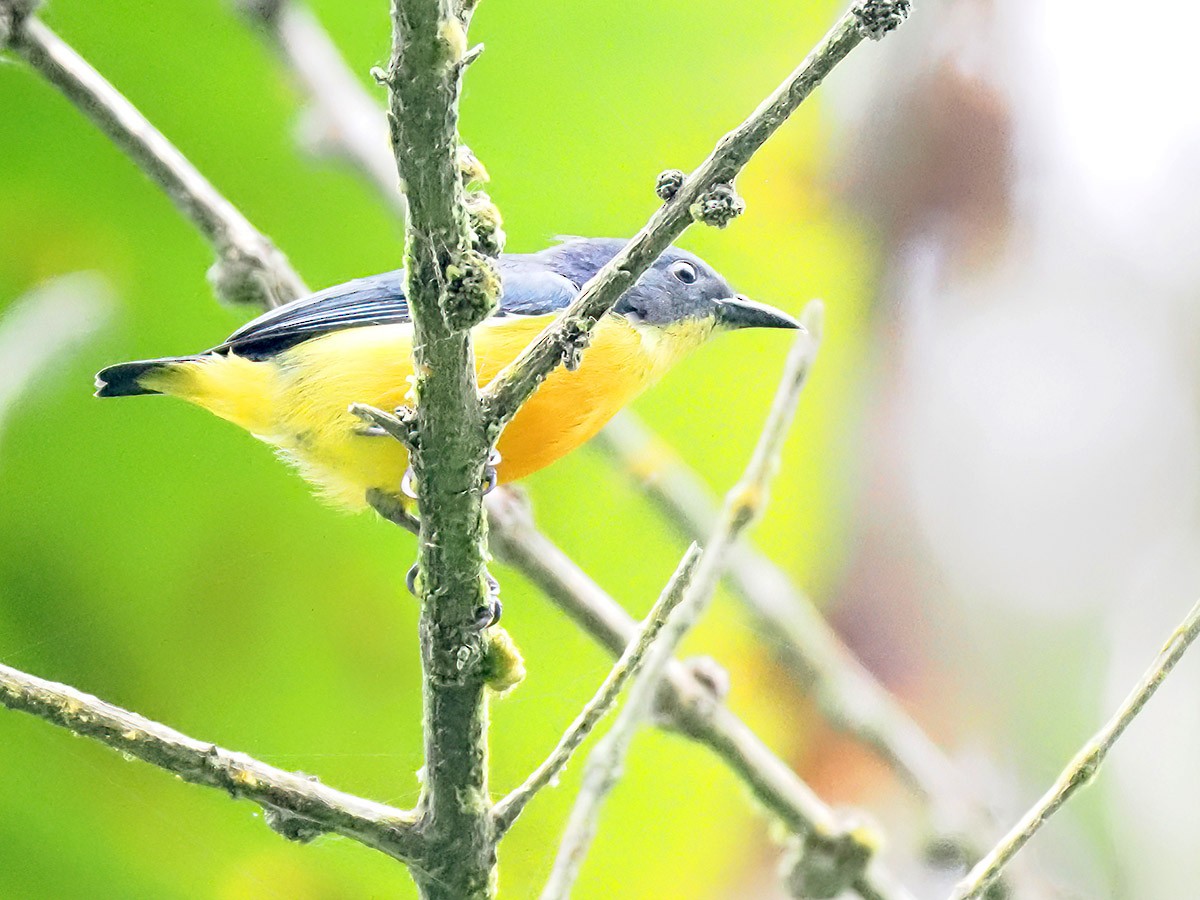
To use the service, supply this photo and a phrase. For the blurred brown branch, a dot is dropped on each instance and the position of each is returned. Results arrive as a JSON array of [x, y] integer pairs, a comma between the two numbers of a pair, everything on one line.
[[249, 268]]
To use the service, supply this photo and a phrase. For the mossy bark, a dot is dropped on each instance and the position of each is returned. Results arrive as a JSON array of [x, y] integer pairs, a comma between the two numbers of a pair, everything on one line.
[[448, 458]]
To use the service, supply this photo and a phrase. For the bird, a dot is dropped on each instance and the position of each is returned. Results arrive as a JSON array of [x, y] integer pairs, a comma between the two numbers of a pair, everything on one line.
[[290, 376]]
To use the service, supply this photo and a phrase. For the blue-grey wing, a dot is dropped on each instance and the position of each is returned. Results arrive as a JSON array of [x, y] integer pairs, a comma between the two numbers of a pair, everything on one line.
[[374, 300], [527, 289], [530, 289]]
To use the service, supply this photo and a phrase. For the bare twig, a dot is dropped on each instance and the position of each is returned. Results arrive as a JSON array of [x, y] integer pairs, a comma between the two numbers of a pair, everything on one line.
[[249, 268], [41, 326], [847, 693], [297, 805], [342, 118], [626, 667], [1082, 769], [688, 200]]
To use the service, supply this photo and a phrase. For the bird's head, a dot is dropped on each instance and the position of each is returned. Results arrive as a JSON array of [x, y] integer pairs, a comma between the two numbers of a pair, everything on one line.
[[680, 289]]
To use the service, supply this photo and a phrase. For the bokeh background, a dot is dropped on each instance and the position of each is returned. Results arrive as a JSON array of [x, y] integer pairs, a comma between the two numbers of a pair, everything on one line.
[[991, 486]]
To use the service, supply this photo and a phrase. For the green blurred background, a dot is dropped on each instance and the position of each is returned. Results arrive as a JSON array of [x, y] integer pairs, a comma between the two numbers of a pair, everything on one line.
[[165, 561]]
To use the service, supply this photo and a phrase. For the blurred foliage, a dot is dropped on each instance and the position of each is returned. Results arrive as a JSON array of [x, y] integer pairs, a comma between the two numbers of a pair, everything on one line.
[[164, 560]]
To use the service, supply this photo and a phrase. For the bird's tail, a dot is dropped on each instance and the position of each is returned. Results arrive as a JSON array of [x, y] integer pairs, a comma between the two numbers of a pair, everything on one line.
[[239, 390], [126, 379]]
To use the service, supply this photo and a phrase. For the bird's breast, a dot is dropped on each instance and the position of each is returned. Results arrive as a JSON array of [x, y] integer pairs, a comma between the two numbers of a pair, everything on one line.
[[318, 380]]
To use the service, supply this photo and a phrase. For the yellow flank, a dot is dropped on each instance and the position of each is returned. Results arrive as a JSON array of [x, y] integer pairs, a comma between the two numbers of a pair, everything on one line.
[[298, 400]]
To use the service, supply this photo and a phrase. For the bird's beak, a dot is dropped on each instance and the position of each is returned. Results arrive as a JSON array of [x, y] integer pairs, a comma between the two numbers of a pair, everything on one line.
[[742, 312]]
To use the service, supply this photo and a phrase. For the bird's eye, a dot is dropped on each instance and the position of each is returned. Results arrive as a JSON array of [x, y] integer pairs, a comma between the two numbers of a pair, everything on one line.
[[684, 272]]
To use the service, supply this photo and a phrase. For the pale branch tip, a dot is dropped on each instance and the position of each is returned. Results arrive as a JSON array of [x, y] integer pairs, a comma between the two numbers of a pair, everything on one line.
[[1082, 769], [401, 424]]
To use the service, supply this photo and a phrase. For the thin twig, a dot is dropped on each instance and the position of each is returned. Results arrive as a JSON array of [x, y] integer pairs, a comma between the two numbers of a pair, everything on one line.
[[569, 332], [249, 268], [846, 692], [626, 667], [342, 118], [297, 805], [1082, 769]]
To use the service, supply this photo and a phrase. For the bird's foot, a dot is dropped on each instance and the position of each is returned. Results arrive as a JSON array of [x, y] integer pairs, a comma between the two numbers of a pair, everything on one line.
[[489, 614], [490, 476], [486, 615]]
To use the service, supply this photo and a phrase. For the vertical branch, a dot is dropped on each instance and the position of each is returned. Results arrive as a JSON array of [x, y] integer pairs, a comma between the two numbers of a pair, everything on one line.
[[450, 288], [249, 268]]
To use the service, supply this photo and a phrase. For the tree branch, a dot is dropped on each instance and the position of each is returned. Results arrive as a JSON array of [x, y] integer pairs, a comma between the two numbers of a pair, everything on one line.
[[297, 806], [342, 118], [627, 666], [450, 288], [688, 199], [1083, 768], [846, 692], [249, 268]]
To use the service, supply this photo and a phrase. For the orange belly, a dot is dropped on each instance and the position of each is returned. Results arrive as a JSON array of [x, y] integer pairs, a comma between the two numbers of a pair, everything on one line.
[[373, 365]]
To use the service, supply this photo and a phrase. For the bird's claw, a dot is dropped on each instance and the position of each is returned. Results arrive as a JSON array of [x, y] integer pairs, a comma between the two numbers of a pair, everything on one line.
[[486, 615], [489, 615], [490, 476]]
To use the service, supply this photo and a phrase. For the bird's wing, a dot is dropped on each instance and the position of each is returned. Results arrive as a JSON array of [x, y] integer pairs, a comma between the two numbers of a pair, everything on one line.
[[379, 300]]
